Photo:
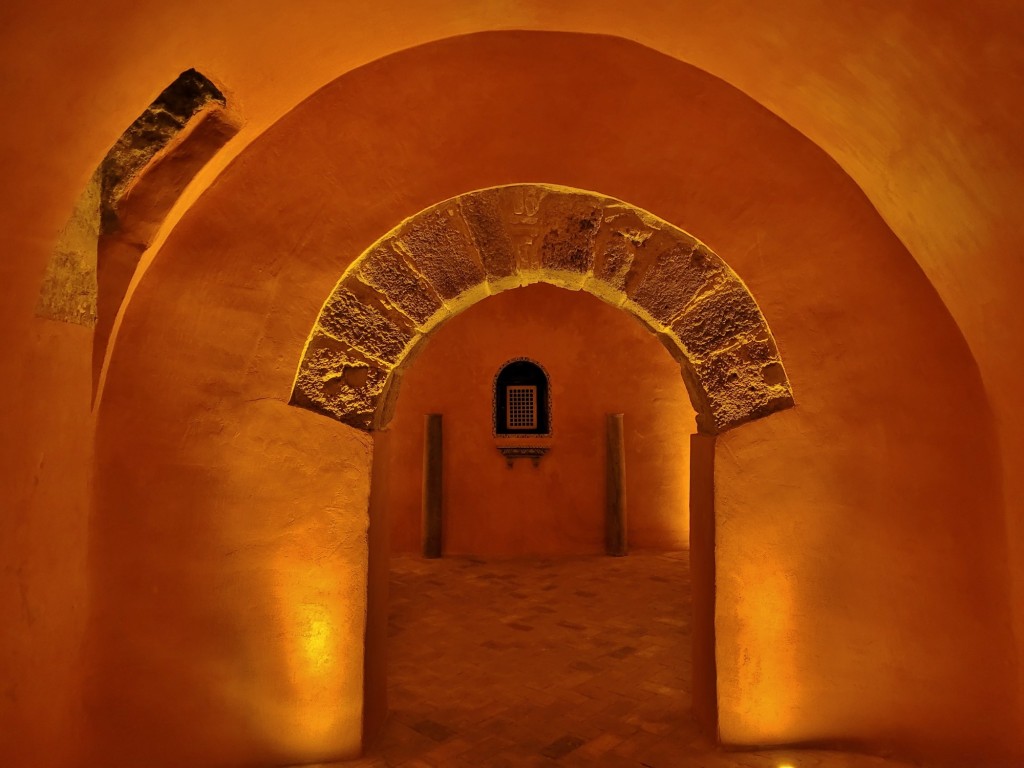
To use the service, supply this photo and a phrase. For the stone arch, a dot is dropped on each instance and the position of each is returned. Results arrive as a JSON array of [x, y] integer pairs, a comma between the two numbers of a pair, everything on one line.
[[128, 198], [442, 260]]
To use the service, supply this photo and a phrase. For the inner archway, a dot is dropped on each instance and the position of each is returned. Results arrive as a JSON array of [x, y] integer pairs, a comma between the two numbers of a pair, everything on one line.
[[597, 361], [443, 260], [525, 640], [450, 256]]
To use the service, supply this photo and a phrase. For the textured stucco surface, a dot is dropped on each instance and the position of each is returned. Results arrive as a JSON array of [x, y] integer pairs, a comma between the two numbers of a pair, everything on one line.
[[221, 586]]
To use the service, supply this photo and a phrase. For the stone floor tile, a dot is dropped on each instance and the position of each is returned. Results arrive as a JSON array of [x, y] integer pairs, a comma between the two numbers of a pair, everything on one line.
[[552, 663]]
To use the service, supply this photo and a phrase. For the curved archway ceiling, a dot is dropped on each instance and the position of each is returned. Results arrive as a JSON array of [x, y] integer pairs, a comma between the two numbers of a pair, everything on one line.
[[911, 101], [442, 260]]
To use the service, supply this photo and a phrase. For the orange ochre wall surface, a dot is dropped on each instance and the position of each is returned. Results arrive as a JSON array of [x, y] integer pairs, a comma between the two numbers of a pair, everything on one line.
[[188, 584], [841, 535], [599, 360]]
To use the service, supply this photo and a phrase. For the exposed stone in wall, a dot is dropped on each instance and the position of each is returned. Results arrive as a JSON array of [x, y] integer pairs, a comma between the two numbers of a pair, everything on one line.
[[679, 270], [440, 249], [573, 221], [69, 288], [741, 383], [458, 252], [483, 217], [718, 319], [622, 234], [151, 132], [385, 269], [357, 315], [335, 379], [127, 200]]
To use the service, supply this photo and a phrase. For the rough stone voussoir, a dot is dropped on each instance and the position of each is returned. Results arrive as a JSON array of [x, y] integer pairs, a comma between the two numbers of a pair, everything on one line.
[[440, 248], [482, 213], [743, 383], [353, 316], [719, 319], [336, 380], [386, 270], [570, 224], [729, 412], [520, 208], [623, 231], [675, 275]]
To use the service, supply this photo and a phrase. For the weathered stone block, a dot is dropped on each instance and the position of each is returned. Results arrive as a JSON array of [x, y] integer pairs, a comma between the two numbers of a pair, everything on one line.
[[70, 287], [153, 130], [519, 206], [440, 248], [336, 380], [742, 383], [718, 319], [482, 215], [623, 231], [569, 225], [677, 271], [355, 314], [386, 270]]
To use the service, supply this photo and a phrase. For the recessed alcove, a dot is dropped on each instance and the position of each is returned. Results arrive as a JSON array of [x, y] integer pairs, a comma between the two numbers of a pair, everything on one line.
[[599, 360], [523, 573]]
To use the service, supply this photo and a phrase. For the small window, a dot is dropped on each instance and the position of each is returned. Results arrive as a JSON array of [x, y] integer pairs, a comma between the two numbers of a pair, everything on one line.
[[521, 399]]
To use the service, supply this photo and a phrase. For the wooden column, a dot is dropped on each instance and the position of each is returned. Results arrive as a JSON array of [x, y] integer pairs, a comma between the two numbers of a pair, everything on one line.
[[615, 489], [432, 476], [702, 582]]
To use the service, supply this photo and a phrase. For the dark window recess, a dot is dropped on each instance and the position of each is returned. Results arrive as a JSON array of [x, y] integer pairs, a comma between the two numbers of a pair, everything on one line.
[[521, 400]]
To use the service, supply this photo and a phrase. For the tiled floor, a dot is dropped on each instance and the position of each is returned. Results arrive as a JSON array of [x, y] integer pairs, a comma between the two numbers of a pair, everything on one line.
[[567, 662]]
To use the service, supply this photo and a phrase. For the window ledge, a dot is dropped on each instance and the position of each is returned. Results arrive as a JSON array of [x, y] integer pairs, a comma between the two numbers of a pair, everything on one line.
[[532, 452]]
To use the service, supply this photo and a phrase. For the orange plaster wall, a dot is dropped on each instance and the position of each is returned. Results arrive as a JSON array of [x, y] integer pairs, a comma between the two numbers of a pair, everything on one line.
[[871, 510], [864, 487], [915, 102], [45, 495], [599, 360], [228, 556]]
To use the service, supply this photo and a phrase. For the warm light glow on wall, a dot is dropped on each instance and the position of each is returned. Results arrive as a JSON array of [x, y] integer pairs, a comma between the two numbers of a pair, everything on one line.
[[766, 676], [318, 639], [324, 682]]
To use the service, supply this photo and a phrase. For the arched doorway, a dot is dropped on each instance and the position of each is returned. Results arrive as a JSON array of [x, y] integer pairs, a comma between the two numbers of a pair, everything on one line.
[[445, 259], [525, 639]]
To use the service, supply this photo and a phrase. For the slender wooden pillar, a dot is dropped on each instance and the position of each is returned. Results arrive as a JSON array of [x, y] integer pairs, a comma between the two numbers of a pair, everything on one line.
[[432, 476], [702, 582], [615, 489]]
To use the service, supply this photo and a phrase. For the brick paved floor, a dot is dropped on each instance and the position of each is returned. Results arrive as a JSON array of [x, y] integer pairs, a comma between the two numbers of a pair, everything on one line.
[[568, 662]]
